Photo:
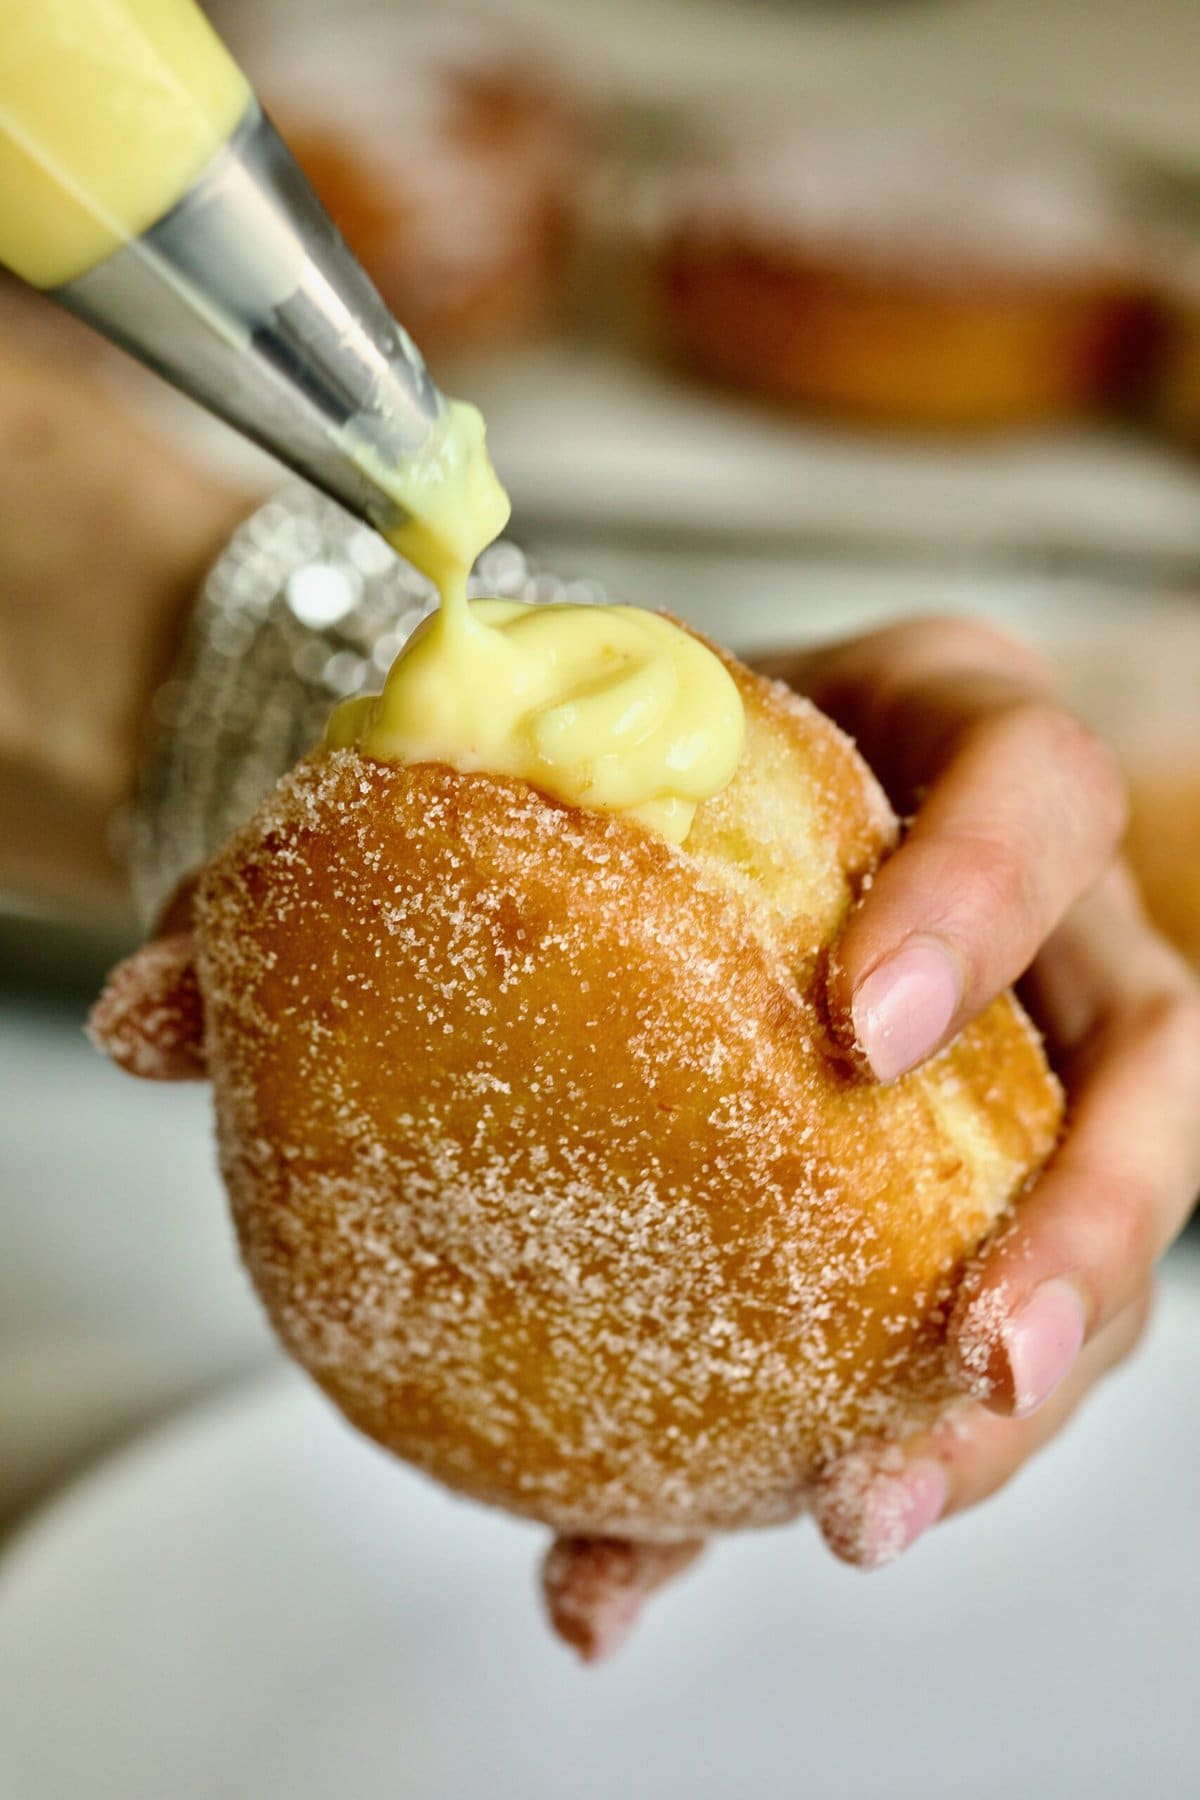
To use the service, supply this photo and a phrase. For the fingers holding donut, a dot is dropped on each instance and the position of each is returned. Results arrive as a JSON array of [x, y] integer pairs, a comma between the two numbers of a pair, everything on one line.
[[1082, 1245], [1009, 862], [595, 1588], [872, 1505], [1021, 808], [150, 1016]]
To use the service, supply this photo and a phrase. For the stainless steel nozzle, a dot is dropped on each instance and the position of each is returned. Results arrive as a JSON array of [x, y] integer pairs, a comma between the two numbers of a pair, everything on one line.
[[246, 297]]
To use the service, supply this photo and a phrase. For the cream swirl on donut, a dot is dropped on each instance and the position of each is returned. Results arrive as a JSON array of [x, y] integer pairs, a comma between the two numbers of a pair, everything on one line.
[[602, 706]]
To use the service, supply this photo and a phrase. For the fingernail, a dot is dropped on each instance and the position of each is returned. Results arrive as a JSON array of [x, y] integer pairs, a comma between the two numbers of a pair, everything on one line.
[[903, 1008], [1041, 1343], [869, 1515]]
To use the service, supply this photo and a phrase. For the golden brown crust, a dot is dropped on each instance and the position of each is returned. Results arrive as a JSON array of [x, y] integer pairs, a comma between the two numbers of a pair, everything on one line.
[[926, 273], [538, 1152], [875, 348]]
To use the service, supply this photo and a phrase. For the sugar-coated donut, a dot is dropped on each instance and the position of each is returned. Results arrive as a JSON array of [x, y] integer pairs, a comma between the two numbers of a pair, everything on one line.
[[545, 1156], [914, 274], [542, 1153], [1177, 387]]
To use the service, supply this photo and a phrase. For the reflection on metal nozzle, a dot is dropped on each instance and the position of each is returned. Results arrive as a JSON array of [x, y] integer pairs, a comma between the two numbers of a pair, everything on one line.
[[246, 297]]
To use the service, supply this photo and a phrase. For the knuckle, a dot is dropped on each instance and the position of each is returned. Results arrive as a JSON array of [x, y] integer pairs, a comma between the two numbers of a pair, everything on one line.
[[1097, 766], [1001, 881], [1006, 650], [1064, 743], [970, 643], [980, 642], [1131, 1227], [1037, 734], [1107, 1233]]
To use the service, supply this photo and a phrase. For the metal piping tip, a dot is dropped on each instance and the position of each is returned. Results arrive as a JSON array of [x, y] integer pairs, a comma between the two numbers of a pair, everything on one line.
[[246, 297]]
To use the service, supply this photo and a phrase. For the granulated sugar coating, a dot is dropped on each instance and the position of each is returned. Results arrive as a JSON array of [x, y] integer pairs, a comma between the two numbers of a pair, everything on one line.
[[149, 1018], [540, 1153]]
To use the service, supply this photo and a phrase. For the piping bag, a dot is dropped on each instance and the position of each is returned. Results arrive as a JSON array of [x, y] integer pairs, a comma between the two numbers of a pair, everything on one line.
[[239, 290]]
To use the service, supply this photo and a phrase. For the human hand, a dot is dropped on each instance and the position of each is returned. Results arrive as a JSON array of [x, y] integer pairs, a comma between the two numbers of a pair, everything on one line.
[[1009, 865]]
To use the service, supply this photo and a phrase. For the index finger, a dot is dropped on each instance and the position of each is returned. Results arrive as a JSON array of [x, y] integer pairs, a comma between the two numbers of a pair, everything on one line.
[[1021, 808]]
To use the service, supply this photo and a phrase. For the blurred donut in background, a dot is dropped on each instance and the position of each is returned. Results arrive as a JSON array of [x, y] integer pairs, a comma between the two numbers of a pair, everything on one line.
[[1177, 400], [451, 154], [1163, 847], [915, 274]]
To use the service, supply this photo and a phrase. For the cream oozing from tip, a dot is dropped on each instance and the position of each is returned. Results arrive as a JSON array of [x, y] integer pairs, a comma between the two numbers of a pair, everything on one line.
[[606, 707]]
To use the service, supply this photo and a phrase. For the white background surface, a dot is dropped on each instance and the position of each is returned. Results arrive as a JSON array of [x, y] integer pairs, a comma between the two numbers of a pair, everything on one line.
[[120, 1292], [259, 1606]]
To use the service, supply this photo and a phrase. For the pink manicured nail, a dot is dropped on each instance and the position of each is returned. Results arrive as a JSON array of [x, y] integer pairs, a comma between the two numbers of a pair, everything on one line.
[[1041, 1343], [870, 1516], [902, 1009]]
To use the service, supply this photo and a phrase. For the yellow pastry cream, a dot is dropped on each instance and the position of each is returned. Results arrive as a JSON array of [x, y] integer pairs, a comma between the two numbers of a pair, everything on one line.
[[602, 706], [109, 109]]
